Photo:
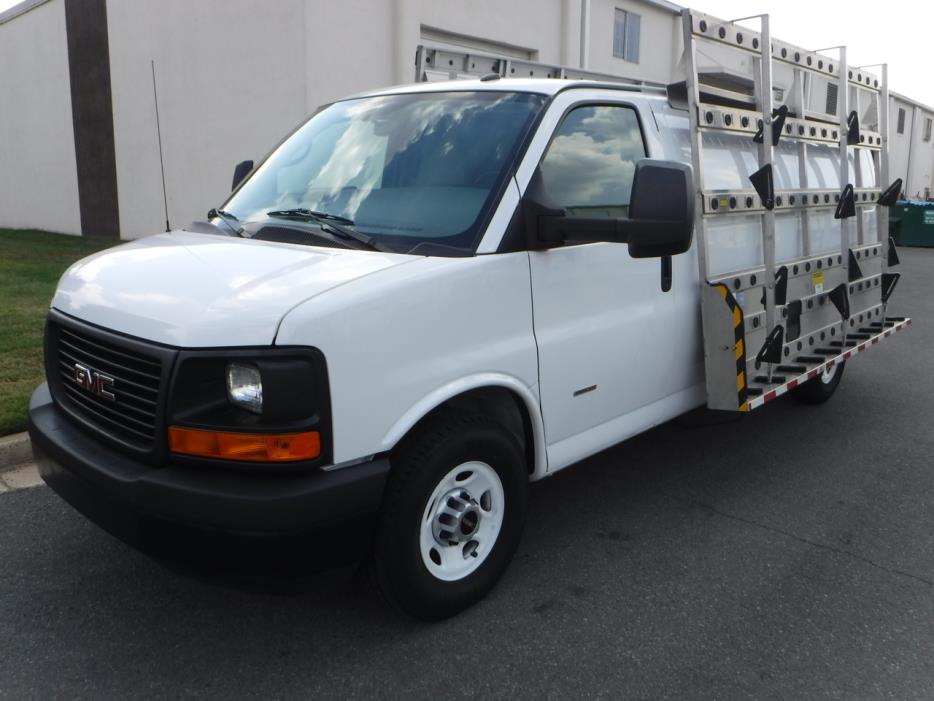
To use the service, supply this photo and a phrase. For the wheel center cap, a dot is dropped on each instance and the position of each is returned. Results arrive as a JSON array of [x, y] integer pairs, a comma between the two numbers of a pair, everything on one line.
[[456, 518]]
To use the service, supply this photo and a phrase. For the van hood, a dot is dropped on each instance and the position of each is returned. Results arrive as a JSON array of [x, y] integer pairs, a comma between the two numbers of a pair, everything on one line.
[[202, 290]]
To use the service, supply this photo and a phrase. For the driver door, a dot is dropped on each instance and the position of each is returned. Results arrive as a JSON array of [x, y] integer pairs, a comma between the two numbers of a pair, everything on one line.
[[600, 315]]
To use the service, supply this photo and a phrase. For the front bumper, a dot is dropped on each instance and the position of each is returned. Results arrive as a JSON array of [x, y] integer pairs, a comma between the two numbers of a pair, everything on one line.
[[120, 493]]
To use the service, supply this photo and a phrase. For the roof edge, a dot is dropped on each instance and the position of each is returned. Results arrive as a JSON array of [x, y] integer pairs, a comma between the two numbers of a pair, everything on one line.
[[910, 100], [665, 5], [539, 86], [20, 9]]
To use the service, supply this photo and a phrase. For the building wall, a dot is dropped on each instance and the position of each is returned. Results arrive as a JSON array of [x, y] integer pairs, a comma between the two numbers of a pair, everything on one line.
[[226, 90], [38, 175], [535, 27], [235, 76], [910, 156], [231, 93], [660, 46]]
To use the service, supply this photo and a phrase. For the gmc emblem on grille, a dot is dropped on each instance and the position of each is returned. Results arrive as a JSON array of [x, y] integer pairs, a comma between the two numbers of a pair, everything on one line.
[[94, 382]]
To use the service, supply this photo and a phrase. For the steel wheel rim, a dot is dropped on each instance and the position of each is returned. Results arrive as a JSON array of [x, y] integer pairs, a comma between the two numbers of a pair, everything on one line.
[[462, 521], [828, 374]]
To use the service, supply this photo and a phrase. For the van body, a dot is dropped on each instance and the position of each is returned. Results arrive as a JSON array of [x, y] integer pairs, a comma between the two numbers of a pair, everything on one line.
[[422, 300]]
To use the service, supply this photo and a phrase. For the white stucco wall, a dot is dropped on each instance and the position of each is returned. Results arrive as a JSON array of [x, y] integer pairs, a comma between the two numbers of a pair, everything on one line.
[[660, 44], [918, 168], [535, 25], [227, 89], [38, 175], [235, 76], [231, 93]]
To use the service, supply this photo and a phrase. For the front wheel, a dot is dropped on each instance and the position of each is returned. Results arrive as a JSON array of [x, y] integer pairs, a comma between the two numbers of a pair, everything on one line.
[[821, 388], [452, 516]]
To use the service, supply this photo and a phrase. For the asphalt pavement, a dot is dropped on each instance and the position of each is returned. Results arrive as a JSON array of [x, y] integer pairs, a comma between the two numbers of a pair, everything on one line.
[[786, 555]]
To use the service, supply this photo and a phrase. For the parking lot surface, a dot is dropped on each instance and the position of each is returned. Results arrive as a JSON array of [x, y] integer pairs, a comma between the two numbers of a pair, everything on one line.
[[788, 554]]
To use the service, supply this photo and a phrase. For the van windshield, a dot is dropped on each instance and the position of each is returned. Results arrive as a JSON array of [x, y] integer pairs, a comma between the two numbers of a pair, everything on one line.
[[415, 173]]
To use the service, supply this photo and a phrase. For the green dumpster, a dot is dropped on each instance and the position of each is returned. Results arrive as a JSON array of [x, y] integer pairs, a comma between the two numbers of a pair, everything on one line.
[[912, 223]]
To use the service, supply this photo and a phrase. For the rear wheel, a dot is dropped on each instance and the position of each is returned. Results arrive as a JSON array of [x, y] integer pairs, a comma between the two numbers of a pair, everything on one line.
[[821, 388], [452, 516]]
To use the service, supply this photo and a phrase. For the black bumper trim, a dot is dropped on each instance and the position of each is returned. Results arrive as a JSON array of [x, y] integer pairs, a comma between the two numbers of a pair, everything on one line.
[[110, 487]]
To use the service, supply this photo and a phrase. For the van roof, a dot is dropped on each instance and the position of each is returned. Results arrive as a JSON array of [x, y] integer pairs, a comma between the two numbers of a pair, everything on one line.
[[543, 86]]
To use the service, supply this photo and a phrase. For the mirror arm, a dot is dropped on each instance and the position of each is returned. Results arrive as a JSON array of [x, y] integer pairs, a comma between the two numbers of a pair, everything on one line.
[[660, 189], [583, 230], [548, 226], [541, 224], [587, 230]]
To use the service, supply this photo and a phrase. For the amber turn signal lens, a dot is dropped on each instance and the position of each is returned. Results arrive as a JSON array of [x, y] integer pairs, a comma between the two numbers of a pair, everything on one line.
[[253, 447]]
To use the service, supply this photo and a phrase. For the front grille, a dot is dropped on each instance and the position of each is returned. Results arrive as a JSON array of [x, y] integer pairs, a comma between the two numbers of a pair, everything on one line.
[[132, 415]]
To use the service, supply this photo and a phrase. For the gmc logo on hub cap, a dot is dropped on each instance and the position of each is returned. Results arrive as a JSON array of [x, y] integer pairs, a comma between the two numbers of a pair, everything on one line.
[[94, 382]]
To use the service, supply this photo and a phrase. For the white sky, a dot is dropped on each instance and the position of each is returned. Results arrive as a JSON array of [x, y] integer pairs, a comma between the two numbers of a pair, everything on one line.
[[899, 32]]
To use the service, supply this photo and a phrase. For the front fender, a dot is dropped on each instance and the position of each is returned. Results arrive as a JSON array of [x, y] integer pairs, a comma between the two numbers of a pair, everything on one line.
[[439, 396], [401, 342]]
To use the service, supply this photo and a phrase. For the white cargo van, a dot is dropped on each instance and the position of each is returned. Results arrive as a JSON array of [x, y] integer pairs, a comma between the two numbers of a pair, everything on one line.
[[428, 296]]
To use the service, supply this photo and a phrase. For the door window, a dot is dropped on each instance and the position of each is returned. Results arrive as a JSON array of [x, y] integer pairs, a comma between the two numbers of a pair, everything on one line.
[[589, 165]]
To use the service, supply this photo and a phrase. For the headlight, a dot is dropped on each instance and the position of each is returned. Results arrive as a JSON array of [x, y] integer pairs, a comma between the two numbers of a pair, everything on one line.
[[251, 404], [245, 386]]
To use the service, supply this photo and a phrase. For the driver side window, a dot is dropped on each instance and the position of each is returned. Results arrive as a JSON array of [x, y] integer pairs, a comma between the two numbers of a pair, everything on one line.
[[589, 165]]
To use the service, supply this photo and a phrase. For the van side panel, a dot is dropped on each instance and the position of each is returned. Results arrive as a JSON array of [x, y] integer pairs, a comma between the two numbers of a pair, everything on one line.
[[439, 324]]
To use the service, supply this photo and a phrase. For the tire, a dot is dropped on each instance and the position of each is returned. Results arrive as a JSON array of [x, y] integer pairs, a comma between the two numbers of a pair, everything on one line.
[[821, 388], [452, 516]]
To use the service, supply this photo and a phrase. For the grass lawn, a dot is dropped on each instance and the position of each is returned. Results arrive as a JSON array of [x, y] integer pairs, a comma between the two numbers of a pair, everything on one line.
[[31, 263]]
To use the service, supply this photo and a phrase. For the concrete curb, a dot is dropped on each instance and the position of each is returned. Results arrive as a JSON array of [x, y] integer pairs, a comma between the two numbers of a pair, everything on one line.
[[14, 451]]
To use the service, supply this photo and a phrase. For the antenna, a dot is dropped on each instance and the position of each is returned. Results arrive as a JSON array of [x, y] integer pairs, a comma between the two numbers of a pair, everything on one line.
[[155, 97]]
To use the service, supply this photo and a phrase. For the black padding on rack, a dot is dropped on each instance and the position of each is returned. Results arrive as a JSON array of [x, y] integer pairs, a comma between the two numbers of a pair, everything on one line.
[[779, 115], [765, 185], [781, 285], [855, 272], [846, 207], [841, 300], [771, 351], [778, 123], [889, 280], [793, 320], [893, 253], [852, 129], [889, 196]]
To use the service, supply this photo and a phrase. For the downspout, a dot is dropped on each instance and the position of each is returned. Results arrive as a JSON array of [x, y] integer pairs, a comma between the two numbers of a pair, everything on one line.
[[585, 34]]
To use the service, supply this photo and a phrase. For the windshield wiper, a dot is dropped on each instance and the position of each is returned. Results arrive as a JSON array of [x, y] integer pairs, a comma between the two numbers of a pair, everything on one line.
[[333, 223], [311, 213], [227, 218]]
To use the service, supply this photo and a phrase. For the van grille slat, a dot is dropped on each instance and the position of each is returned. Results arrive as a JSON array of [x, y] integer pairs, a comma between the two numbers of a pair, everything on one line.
[[147, 418], [141, 405], [70, 336], [132, 415], [104, 364], [110, 415]]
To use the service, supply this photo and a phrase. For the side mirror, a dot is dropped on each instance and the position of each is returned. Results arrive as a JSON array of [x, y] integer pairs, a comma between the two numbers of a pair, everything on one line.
[[242, 170], [660, 222], [661, 209]]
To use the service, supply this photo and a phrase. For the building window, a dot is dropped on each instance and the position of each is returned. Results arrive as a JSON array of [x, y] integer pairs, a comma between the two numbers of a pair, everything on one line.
[[901, 121], [927, 130], [626, 36]]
